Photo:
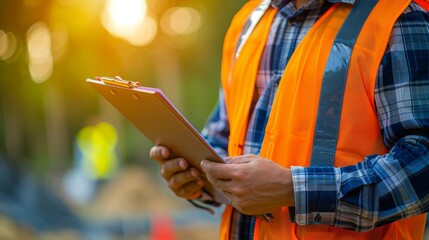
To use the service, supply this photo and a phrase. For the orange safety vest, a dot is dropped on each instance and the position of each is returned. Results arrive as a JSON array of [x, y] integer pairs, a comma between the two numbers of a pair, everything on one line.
[[290, 129]]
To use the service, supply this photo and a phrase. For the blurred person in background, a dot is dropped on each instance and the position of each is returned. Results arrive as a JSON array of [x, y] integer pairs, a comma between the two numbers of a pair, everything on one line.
[[323, 119], [95, 162]]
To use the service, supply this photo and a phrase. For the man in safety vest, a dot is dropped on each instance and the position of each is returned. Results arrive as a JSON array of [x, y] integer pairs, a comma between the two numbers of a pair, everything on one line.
[[323, 119]]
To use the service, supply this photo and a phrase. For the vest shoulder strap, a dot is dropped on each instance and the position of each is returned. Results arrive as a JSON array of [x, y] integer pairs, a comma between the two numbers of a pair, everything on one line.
[[333, 84]]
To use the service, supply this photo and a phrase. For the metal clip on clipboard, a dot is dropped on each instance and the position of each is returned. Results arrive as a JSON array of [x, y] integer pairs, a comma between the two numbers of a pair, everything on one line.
[[118, 81]]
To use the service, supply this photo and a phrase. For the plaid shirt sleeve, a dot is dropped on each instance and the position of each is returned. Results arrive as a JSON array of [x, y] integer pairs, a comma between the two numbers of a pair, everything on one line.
[[216, 130], [381, 188]]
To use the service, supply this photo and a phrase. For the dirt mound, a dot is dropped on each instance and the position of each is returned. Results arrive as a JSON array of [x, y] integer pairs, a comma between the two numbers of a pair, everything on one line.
[[134, 192]]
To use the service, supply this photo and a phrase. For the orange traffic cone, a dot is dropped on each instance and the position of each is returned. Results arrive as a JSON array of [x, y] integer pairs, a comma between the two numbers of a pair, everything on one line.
[[162, 228]]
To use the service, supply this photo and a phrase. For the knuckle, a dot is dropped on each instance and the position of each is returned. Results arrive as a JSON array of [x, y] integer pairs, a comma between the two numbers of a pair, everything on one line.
[[239, 175], [163, 172], [185, 191], [193, 187], [178, 194], [171, 166], [166, 173], [172, 183], [238, 192], [168, 164], [188, 175]]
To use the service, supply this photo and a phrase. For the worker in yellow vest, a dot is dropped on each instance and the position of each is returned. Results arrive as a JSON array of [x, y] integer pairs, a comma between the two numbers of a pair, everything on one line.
[[323, 119], [95, 162]]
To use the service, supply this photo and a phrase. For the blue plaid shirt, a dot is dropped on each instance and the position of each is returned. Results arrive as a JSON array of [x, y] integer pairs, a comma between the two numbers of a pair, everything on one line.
[[379, 189]]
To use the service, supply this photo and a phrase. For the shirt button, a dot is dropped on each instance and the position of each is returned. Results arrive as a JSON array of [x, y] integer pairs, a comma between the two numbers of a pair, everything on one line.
[[317, 218]]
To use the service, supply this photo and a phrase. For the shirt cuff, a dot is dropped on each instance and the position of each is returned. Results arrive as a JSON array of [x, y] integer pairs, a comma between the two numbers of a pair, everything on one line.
[[316, 194]]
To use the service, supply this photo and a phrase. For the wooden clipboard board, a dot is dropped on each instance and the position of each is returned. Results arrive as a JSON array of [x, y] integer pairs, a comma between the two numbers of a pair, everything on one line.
[[156, 117]]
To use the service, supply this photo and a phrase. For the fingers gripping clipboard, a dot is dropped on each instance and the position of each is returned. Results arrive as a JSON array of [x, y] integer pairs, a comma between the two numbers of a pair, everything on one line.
[[156, 117]]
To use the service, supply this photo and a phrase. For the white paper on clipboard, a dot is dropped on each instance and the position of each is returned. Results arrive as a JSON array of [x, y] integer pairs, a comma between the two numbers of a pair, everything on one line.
[[156, 117]]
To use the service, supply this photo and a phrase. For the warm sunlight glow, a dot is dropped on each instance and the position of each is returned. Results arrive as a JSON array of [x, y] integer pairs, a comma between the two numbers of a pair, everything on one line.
[[181, 20], [60, 40], [32, 3], [7, 45], [4, 43], [40, 61], [145, 34], [68, 2], [127, 19]]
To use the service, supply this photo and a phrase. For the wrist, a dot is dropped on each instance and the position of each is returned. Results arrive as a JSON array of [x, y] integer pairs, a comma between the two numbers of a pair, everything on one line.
[[288, 188]]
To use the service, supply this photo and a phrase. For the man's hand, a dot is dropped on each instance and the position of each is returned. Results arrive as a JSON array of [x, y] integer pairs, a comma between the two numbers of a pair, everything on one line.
[[254, 185], [183, 180]]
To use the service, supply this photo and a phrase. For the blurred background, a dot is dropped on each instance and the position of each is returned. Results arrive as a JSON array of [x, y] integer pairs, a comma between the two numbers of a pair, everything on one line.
[[71, 166]]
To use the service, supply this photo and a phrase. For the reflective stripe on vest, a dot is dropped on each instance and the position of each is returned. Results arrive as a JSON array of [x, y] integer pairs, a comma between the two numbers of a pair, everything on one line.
[[250, 25], [333, 85], [290, 129]]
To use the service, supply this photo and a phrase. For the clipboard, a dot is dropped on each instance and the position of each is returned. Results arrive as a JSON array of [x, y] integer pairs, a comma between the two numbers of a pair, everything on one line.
[[157, 118]]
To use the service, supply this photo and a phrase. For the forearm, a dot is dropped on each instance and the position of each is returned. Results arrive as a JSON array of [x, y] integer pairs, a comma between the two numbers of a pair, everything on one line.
[[377, 191]]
